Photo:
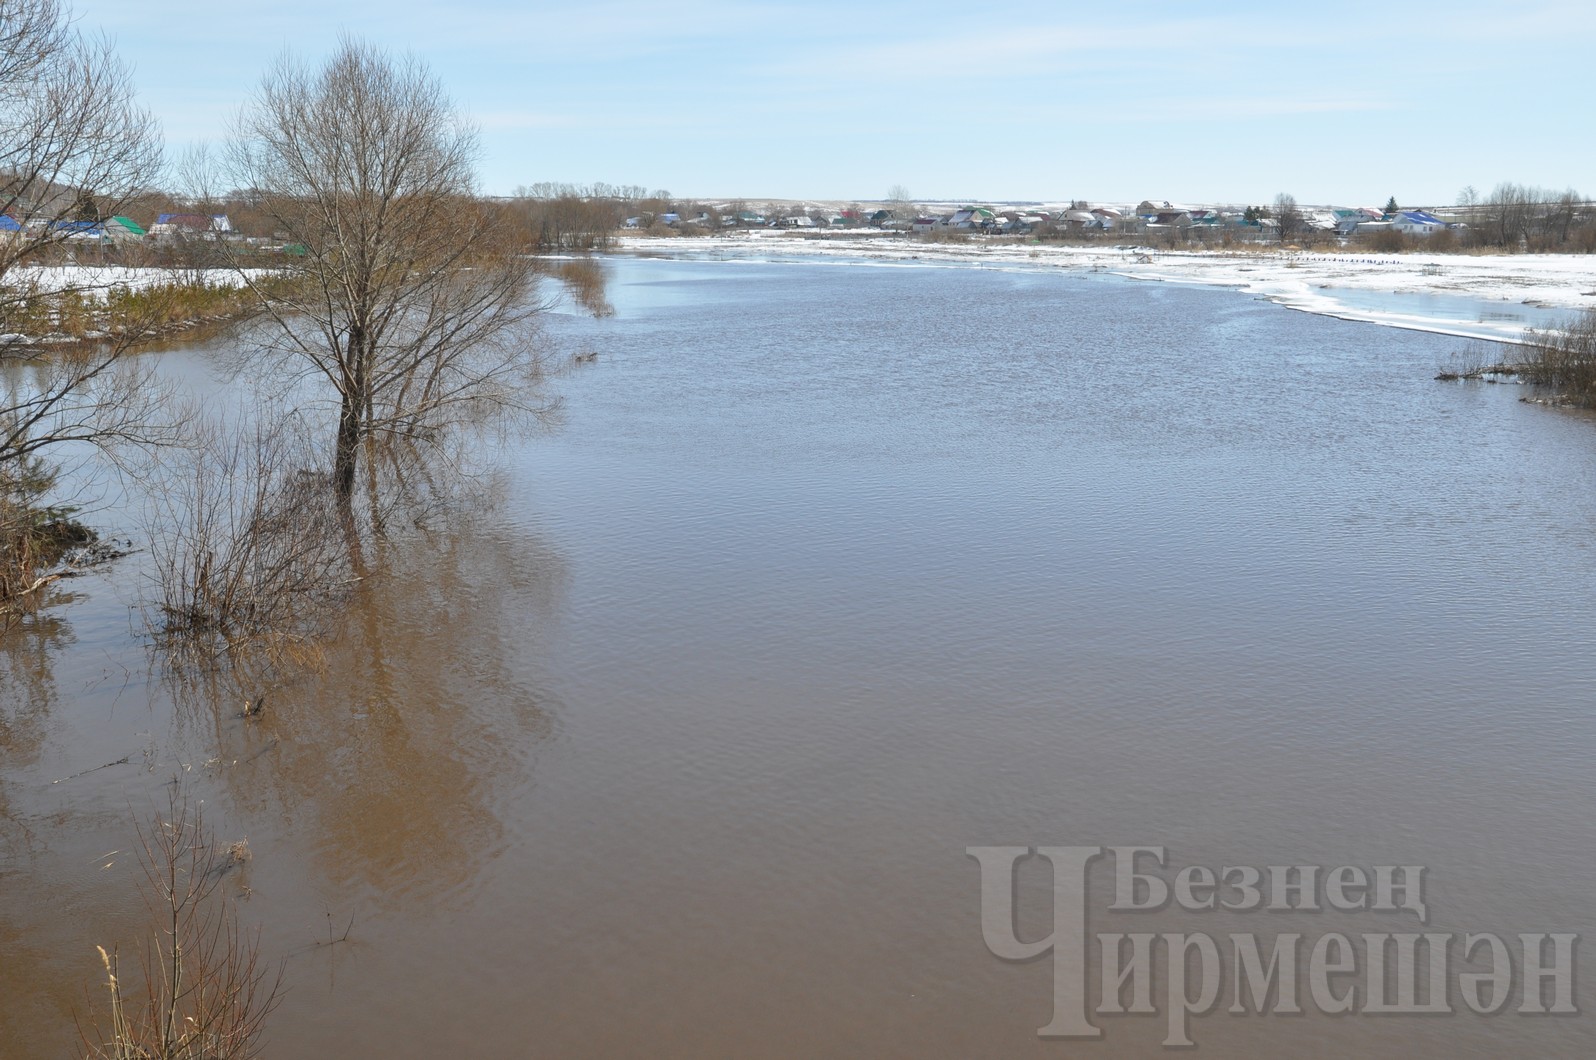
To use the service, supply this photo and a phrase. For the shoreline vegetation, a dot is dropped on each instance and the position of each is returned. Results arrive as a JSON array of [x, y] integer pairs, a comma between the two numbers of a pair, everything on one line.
[[69, 326], [1560, 361], [157, 306], [100, 314], [65, 307]]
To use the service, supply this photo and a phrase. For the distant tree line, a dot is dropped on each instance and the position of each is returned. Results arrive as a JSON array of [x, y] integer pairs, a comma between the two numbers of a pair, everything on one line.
[[1521, 217], [555, 216]]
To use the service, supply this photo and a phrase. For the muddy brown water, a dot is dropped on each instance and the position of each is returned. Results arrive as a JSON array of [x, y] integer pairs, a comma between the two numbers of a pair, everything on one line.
[[826, 573]]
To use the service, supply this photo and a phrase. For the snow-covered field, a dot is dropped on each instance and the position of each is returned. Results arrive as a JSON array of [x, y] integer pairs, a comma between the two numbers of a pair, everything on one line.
[[1489, 297]]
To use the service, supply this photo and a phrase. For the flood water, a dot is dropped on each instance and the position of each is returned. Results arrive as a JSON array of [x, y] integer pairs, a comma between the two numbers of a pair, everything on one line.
[[826, 573]]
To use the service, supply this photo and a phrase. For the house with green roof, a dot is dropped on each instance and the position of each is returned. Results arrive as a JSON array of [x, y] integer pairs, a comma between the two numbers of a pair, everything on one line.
[[123, 229]]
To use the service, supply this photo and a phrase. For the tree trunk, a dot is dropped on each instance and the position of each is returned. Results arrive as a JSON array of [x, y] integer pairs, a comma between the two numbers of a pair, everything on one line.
[[355, 407], [346, 450]]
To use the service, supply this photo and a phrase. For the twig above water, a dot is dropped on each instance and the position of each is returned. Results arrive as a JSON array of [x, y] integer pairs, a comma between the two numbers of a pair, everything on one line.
[[119, 762]]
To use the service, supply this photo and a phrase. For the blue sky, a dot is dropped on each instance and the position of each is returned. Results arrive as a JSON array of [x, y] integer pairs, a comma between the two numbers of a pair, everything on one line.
[[1198, 102]]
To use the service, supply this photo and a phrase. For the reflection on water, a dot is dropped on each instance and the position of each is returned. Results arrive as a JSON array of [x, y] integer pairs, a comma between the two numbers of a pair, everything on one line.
[[28, 695], [419, 719], [830, 573], [372, 788]]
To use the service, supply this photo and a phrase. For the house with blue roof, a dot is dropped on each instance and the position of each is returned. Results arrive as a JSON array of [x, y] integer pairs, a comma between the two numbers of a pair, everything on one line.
[[1417, 223], [79, 231], [178, 225]]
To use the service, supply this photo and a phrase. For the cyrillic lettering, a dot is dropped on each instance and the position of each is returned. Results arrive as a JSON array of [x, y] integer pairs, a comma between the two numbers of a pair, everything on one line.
[[1068, 938], [1250, 969], [1306, 886], [1385, 883], [1251, 896], [1139, 970], [1337, 883], [1536, 972], [1375, 999], [1180, 1004], [1187, 883], [1500, 976], [1321, 968], [1126, 878]]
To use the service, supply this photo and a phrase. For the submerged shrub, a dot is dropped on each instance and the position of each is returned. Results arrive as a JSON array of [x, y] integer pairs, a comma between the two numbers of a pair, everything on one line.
[[200, 990], [1564, 360], [250, 546]]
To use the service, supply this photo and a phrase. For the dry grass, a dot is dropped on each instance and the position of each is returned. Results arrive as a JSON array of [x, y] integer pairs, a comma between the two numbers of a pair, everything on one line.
[[57, 318], [944, 235], [199, 991]]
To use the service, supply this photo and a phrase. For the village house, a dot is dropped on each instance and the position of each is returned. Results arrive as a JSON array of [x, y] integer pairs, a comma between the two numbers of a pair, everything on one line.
[[1417, 223], [190, 225], [971, 218], [1348, 220]]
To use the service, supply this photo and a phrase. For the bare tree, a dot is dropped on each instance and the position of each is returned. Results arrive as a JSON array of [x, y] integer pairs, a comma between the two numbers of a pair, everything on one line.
[[74, 148], [1505, 215], [74, 144], [568, 221], [408, 296], [1289, 217]]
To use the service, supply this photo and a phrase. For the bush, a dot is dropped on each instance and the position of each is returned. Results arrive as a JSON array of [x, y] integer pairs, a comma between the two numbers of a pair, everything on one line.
[[33, 536], [250, 548], [1564, 360], [1385, 241]]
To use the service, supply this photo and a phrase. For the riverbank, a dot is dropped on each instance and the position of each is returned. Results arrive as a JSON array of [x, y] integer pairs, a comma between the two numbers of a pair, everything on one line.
[[1493, 297], [56, 307]]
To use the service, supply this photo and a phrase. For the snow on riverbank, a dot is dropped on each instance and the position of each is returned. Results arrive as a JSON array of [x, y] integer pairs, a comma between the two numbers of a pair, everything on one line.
[[82, 313], [1489, 297], [90, 279]]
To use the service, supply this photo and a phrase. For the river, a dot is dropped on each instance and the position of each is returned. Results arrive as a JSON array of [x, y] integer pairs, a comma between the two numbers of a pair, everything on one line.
[[826, 572]]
